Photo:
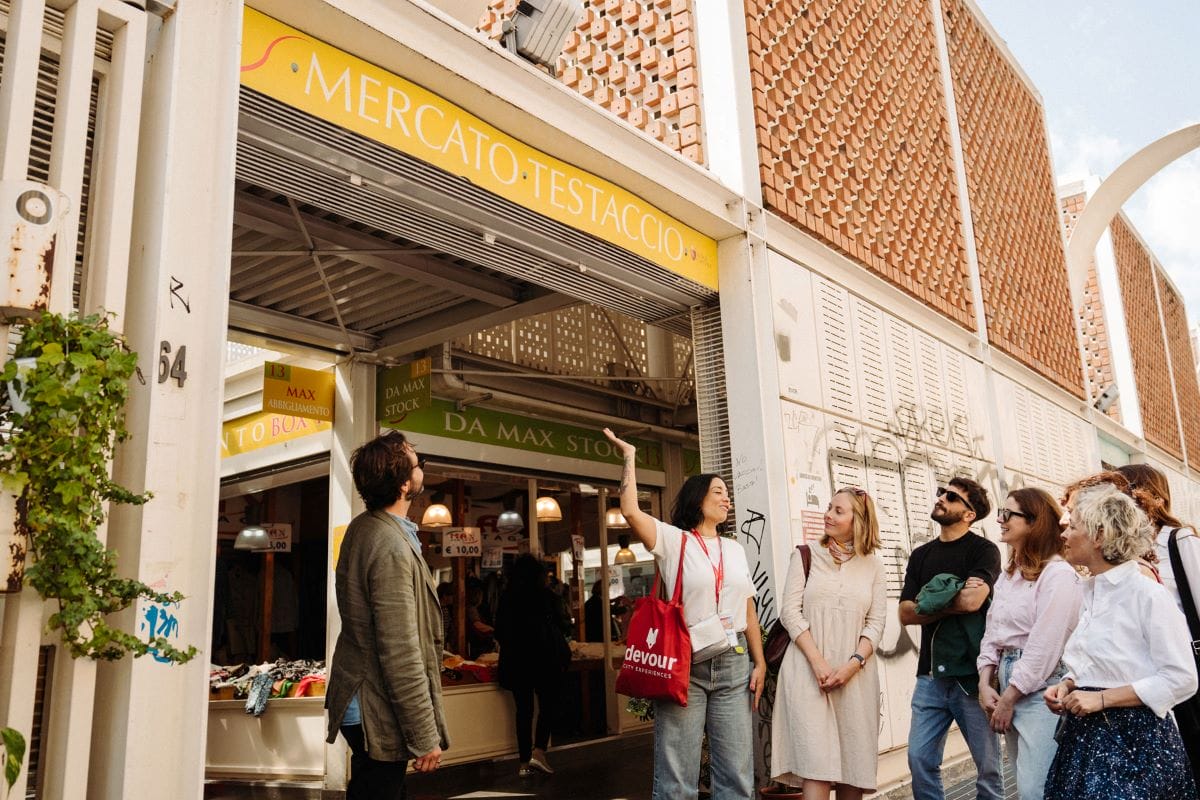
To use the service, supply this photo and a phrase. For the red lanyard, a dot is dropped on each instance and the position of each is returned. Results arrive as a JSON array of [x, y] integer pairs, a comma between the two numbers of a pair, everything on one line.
[[719, 570]]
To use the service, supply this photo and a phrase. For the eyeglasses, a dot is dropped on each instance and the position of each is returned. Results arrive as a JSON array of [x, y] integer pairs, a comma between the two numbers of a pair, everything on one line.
[[954, 497], [420, 463], [1005, 514]]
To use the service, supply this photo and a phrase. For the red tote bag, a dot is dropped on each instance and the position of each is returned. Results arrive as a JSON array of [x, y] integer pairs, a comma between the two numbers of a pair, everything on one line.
[[658, 652]]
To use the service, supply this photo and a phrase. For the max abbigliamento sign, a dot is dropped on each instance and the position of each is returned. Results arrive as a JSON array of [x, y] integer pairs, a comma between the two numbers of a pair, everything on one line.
[[307, 74]]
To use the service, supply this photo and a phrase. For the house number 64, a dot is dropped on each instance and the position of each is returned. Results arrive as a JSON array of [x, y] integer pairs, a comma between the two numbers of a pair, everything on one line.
[[172, 368]]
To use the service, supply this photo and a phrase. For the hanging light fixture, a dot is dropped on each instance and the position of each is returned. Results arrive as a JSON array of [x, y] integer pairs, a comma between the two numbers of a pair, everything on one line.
[[252, 536], [613, 518], [436, 516], [548, 510], [509, 521], [624, 555]]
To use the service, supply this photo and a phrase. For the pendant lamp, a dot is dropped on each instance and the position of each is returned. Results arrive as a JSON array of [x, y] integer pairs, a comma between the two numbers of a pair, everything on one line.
[[252, 537], [436, 516], [509, 521], [624, 555], [613, 518], [548, 510]]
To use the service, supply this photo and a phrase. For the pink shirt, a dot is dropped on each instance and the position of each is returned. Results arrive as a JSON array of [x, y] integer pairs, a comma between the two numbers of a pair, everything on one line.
[[1037, 617]]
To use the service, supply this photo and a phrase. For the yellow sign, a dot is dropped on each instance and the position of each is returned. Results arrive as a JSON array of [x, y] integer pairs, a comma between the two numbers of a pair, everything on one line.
[[264, 429], [339, 535], [314, 77], [298, 391]]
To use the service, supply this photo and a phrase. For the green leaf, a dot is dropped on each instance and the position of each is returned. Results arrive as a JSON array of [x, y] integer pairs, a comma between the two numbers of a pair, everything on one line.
[[14, 750]]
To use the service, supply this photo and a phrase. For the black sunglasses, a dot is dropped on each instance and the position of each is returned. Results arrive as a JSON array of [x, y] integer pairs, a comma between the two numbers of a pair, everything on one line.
[[1005, 514], [954, 497]]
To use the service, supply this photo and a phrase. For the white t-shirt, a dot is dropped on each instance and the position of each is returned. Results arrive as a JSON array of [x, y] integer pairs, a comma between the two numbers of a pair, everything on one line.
[[699, 574]]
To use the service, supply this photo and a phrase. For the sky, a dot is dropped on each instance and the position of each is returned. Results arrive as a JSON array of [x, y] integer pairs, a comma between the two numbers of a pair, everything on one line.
[[1114, 76]]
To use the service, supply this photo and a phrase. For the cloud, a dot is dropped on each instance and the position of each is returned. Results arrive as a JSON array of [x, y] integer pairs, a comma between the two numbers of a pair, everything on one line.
[[1166, 212], [1078, 155]]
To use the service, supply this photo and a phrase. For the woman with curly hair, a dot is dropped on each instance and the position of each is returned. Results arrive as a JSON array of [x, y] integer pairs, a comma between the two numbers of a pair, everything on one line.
[[1178, 550], [826, 716], [1034, 609], [1129, 662], [1147, 562]]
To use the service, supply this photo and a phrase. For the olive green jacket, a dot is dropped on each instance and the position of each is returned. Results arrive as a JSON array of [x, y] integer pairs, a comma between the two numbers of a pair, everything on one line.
[[390, 648]]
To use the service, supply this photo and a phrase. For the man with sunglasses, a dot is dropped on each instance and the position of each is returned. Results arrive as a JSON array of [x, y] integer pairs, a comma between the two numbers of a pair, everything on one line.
[[385, 690], [961, 566]]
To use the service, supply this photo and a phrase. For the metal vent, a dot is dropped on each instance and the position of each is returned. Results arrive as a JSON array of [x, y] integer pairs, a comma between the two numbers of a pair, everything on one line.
[[43, 132], [716, 454], [410, 198]]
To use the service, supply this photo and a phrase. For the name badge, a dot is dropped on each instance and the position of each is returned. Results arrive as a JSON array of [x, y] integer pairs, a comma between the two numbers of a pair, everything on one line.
[[727, 625]]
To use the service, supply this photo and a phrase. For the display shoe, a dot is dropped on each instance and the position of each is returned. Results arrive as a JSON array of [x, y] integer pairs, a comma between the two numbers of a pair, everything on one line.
[[538, 763]]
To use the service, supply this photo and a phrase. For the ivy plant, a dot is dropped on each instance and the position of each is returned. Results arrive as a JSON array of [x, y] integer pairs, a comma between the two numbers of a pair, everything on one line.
[[14, 754], [64, 396]]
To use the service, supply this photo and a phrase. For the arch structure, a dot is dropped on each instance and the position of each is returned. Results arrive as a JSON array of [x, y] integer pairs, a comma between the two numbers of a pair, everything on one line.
[[1118, 187]]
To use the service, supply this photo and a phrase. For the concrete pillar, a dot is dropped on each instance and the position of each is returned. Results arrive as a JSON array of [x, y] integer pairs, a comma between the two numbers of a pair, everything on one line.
[[151, 718], [353, 424]]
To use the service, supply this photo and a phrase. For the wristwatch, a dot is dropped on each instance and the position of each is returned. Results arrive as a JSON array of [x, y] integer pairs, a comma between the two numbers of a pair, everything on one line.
[[862, 662]]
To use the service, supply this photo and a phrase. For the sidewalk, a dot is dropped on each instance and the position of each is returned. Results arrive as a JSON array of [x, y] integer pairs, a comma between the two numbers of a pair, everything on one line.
[[618, 768]]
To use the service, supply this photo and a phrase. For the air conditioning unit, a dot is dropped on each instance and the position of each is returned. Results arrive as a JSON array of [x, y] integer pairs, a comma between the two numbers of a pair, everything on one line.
[[30, 214], [539, 27]]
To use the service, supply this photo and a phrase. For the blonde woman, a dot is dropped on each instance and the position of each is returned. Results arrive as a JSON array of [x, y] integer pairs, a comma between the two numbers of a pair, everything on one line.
[[1129, 662], [826, 719]]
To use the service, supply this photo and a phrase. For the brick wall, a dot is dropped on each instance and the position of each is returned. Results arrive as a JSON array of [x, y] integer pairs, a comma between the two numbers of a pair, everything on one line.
[[635, 58], [1136, 275], [1097, 347], [1014, 206], [1183, 366], [854, 145]]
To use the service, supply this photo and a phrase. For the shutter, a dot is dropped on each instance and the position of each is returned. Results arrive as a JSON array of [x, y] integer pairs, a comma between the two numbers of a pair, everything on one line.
[[716, 455], [839, 391]]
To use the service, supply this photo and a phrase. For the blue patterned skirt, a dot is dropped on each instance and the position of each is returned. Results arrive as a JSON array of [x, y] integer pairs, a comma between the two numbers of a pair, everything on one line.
[[1120, 754]]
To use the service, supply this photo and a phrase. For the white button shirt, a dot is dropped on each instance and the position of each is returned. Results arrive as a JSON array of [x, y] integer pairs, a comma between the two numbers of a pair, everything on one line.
[[1131, 632]]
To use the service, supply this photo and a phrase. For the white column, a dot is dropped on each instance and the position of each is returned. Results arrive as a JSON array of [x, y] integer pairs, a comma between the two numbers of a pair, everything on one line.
[[353, 424], [755, 416], [151, 718]]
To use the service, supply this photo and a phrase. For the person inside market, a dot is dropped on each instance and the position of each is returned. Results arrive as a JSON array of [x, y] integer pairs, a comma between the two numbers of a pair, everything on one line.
[[593, 615]]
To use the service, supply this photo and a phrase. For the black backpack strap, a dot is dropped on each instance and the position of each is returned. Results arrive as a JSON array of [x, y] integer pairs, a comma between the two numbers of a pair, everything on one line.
[[1184, 588]]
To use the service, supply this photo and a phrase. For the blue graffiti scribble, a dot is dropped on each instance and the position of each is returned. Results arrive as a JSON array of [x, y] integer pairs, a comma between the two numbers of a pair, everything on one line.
[[158, 621]]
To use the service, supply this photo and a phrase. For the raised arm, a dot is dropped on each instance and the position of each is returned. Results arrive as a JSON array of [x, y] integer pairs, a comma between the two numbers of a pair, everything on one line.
[[641, 523]]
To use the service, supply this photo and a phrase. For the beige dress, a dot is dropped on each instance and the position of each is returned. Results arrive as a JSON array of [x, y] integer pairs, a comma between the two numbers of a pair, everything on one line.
[[829, 736]]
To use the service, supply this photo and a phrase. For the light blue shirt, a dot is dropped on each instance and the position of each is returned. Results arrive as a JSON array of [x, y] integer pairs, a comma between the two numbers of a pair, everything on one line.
[[353, 715]]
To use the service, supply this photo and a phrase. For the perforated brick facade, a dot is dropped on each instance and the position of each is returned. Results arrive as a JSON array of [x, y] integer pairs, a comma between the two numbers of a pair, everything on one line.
[[635, 58], [1014, 206], [1183, 367], [1097, 348], [854, 144], [1136, 274]]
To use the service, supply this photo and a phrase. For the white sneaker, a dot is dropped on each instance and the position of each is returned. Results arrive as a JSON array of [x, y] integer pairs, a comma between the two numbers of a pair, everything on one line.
[[538, 763]]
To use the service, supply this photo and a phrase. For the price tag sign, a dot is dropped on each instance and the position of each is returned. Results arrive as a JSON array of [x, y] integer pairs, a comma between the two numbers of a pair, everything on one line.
[[462, 543], [616, 583], [493, 558], [577, 547], [279, 537]]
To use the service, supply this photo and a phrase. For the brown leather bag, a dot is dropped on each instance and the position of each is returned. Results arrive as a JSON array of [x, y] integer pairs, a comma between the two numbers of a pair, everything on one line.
[[778, 639]]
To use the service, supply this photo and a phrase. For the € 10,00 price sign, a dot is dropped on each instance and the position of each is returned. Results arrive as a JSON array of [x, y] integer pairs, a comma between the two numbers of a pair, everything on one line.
[[462, 542]]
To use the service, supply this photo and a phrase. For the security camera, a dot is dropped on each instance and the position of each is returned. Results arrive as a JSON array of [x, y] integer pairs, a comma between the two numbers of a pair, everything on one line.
[[1107, 398]]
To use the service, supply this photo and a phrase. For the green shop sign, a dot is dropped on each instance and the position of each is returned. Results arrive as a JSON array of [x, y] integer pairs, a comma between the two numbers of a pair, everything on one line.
[[498, 428], [402, 390]]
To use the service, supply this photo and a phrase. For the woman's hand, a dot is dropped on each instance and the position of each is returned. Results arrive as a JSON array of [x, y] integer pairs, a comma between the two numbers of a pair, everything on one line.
[[841, 676], [758, 676], [821, 669], [1055, 695], [1002, 714], [988, 697], [624, 447], [1083, 703]]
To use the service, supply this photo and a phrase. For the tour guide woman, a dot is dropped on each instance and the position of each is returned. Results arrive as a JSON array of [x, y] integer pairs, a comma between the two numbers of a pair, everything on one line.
[[717, 591], [1130, 661]]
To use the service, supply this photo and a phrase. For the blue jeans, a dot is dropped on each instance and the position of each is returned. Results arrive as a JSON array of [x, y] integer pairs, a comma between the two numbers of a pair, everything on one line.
[[719, 702], [1031, 745], [936, 703]]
